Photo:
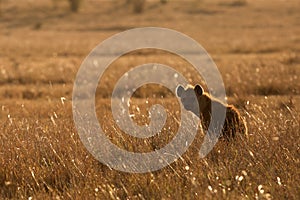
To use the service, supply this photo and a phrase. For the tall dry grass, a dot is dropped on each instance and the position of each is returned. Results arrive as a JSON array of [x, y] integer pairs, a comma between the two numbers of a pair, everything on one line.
[[42, 156]]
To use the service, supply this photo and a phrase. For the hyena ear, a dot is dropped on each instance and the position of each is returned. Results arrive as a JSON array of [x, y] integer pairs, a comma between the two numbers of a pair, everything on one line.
[[199, 90], [179, 90]]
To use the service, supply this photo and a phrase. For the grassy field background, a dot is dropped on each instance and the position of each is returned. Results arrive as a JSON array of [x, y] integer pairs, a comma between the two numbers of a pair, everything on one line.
[[255, 45]]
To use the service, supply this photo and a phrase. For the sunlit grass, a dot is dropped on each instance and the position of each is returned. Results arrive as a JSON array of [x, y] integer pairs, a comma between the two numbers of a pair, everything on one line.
[[42, 154], [255, 45]]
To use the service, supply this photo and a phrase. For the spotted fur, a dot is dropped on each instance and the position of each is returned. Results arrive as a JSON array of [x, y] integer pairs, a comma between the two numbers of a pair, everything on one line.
[[191, 96]]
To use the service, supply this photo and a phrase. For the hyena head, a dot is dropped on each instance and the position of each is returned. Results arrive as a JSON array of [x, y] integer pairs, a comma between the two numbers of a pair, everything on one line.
[[192, 98]]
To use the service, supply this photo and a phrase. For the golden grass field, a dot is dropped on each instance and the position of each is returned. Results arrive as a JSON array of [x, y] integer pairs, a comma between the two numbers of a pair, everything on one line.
[[256, 46]]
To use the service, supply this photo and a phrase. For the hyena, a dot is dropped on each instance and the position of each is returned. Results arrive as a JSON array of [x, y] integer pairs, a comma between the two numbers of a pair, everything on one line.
[[191, 96]]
